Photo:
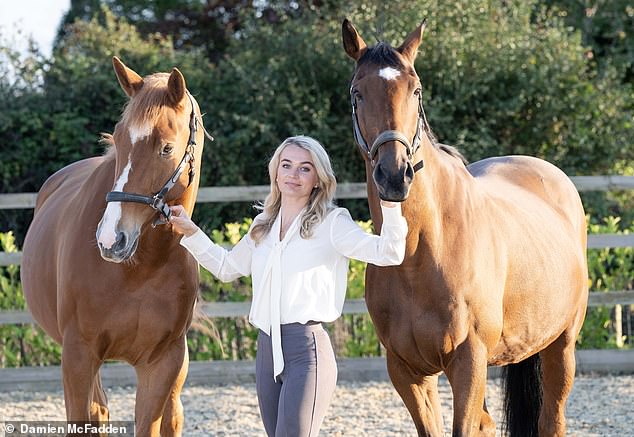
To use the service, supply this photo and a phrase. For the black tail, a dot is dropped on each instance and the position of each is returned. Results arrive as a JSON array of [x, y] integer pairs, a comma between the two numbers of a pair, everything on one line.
[[523, 397]]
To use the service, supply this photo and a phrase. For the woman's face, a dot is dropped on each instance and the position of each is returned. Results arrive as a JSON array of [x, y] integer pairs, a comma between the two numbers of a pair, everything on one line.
[[296, 173]]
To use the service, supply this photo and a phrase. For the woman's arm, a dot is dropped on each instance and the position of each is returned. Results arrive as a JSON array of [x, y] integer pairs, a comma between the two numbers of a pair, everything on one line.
[[224, 264], [383, 250]]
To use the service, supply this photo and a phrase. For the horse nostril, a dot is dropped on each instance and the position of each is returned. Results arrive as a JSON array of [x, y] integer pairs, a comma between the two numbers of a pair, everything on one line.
[[121, 241], [409, 172], [379, 174]]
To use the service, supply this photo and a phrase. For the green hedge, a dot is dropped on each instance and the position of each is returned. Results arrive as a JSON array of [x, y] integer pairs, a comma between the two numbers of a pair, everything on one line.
[[353, 335]]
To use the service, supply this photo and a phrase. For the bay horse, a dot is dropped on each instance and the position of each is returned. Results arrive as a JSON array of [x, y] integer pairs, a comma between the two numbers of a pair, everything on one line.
[[100, 277], [495, 271]]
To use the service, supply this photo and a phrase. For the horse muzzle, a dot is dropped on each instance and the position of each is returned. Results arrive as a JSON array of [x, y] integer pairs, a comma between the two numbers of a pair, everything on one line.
[[122, 249], [393, 184]]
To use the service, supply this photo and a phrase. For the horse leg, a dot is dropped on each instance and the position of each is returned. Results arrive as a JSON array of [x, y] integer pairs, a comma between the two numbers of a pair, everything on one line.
[[467, 374], [155, 381], [558, 372], [79, 370], [173, 417], [487, 425], [99, 406], [420, 395]]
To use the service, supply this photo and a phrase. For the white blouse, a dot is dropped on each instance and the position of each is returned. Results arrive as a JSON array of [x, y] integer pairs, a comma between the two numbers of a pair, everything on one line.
[[297, 279]]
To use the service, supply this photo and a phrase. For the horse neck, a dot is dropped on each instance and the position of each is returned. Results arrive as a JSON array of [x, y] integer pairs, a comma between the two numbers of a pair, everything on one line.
[[374, 202]]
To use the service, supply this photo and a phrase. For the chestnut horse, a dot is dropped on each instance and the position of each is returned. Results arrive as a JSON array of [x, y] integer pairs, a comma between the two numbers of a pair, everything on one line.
[[128, 295], [495, 269]]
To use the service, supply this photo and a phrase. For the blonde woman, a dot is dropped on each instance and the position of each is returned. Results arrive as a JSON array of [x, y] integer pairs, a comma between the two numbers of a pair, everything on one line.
[[297, 252]]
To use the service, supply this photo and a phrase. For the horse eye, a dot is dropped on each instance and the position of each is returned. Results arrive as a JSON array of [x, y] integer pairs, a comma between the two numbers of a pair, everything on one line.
[[167, 150], [417, 92], [357, 95]]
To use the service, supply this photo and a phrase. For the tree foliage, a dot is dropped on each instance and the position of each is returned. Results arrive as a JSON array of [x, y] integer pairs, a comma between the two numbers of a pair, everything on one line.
[[498, 78], [606, 27]]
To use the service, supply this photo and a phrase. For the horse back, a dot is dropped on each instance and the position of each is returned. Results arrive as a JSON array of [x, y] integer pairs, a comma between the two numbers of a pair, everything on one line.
[[66, 180], [510, 175]]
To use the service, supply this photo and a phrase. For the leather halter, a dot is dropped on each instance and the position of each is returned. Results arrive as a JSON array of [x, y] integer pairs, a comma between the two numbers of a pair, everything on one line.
[[390, 135], [157, 201]]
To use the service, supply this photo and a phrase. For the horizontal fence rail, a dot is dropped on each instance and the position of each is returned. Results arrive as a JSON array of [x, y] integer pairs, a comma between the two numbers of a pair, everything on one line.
[[351, 306], [223, 372], [345, 190]]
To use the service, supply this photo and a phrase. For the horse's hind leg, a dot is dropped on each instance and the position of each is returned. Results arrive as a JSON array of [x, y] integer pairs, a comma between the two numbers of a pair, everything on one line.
[[420, 395], [173, 417], [99, 407], [156, 381], [558, 373]]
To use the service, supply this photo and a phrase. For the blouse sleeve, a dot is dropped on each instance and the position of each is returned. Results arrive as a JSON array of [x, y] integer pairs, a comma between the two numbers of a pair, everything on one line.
[[226, 265], [382, 250]]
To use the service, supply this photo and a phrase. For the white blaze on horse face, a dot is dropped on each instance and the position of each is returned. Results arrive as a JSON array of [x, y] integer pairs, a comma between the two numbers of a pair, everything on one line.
[[107, 232], [137, 133], [389, 73]]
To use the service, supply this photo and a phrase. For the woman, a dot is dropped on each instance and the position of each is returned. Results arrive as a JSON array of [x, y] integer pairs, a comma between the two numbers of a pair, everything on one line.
[[297, 251]]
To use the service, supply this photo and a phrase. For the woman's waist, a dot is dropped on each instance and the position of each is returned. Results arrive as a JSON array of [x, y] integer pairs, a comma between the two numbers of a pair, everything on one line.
[[297, 328]]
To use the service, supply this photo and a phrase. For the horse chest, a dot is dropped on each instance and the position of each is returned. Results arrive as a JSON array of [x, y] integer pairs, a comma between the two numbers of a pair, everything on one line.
[[422, 325]]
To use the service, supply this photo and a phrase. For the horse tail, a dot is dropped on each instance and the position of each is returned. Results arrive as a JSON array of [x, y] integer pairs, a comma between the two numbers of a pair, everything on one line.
[[202, 323], [523, 397]]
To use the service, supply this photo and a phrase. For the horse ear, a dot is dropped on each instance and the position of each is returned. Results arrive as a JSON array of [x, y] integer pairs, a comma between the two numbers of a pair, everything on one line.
[[353, 44], [409, 48], [176, 87], [128, 79]]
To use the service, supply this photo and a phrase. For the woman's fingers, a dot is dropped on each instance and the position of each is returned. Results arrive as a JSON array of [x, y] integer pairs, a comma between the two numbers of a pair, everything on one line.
[[181, 222], [178, 211]]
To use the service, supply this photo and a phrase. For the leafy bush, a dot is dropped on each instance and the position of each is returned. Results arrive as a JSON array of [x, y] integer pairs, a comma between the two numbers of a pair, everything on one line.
[[608, 269], [20, 345], [353, 334], [234, 337]]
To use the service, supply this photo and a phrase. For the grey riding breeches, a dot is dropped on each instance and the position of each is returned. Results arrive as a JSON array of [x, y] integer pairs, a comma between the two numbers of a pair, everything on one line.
[[295, 404]]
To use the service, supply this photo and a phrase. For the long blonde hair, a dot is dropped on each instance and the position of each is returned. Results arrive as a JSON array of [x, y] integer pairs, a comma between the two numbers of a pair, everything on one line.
[[320, 201]]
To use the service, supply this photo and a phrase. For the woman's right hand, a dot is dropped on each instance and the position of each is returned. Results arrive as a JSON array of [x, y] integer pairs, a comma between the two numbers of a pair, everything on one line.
[[181, 222]]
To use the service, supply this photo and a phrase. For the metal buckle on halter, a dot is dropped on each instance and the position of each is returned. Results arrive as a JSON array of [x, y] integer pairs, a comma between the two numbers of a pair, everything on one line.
[[157, 202]]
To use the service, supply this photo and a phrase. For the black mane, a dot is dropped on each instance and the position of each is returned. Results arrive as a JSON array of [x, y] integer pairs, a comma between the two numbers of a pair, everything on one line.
[[383, 55]]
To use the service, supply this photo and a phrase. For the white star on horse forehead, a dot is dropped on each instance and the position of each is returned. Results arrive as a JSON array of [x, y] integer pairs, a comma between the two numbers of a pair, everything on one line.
[[389, 73]]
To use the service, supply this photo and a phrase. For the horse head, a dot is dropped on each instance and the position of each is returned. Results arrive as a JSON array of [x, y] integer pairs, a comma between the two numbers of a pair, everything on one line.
[[388, 117], [156, 156]]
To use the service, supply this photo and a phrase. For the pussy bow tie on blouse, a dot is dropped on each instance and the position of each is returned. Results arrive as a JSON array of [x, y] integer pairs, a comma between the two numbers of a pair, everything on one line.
[[273, 275]]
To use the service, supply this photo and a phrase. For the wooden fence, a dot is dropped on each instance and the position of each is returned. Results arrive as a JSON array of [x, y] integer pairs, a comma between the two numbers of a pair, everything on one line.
[[344, 191]]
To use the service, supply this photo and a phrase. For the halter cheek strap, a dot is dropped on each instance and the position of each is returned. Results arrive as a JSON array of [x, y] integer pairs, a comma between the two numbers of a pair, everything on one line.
[[157, 201]]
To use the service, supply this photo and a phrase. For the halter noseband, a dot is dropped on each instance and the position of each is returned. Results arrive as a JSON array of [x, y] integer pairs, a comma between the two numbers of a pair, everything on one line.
[[389, 135], [157, 201]]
